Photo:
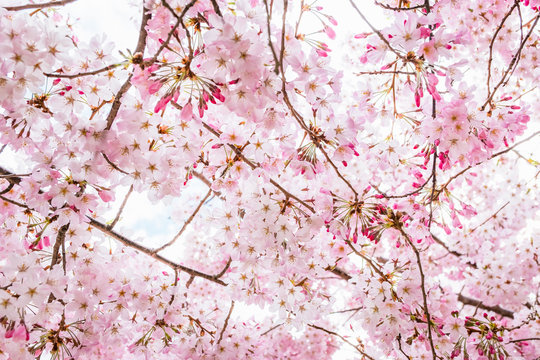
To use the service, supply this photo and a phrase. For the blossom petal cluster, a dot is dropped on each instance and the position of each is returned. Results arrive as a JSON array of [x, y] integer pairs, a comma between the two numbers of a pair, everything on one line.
[[335, 189]]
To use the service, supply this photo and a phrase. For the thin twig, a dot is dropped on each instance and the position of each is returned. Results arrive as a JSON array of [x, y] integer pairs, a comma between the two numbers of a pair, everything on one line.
[[514, 62], [368, 260], [384, 72], [122, 206], [268, 18], [188, 221], [492, 42], [404, 195], [132, 244], [141, 44], [388, 7], [357, 347], [241, 156], [38, 6], [226, 323], [526, 339], [113, 165], [72, 76], [434, 184], [379, 34], [216, 8], [491, 217], [271, 329], [60, 238], [479, 304], [424, 295], [400, 349], [179, 21]]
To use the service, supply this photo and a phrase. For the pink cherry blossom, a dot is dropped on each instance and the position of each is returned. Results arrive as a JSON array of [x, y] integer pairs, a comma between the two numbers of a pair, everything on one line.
[[244, 183]]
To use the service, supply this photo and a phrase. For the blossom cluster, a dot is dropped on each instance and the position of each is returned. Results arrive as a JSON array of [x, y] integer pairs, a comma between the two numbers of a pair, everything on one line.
[[366, 207]]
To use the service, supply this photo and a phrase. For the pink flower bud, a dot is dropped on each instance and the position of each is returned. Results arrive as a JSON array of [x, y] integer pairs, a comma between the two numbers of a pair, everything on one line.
[[361, 36], [330, 32], [332, 20], [321, 53]]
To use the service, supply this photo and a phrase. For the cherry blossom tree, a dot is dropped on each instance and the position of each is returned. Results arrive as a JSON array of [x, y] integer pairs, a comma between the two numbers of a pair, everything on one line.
[[375, 204]]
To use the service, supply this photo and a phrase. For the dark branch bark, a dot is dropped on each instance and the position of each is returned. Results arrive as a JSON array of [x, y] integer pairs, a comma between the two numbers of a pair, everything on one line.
[[132, 244], [38, 6], [141, 44], [477, 303], [226, 323]]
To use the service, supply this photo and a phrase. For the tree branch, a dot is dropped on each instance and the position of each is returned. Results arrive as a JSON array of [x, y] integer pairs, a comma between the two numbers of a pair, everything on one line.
[[38, 6], [477, 303], [129, 243], [424, 295], [122, 206], [379, 34], [226, 323], [72, 76], [141, 44], [357, 347], [188, 221]]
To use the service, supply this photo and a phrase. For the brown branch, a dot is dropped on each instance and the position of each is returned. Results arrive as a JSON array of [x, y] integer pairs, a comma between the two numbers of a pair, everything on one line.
[[8, 188], [384, 72], [514, 62], [357, 347], [188, 221], [226, 323], [379, 34], [271, 329], [461, 298], [477, 303], [129, 243], [179, 21], [434, 184], [368, 260], [339, 272], [268, 17], [513, 146], [241, 156], [404, 195], [282, 49], [222, 272], [300, 120], [72, 76], [400, 349], [492, 157], [388, 7], [122, 206], [356, 309], [13, 202], [491, 217], [492, 42], [143, 34], [141, 44], [38, 6], [216, 8], [339, 173], [60, 238], [113, 165], [526, 339], [424, 295]]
